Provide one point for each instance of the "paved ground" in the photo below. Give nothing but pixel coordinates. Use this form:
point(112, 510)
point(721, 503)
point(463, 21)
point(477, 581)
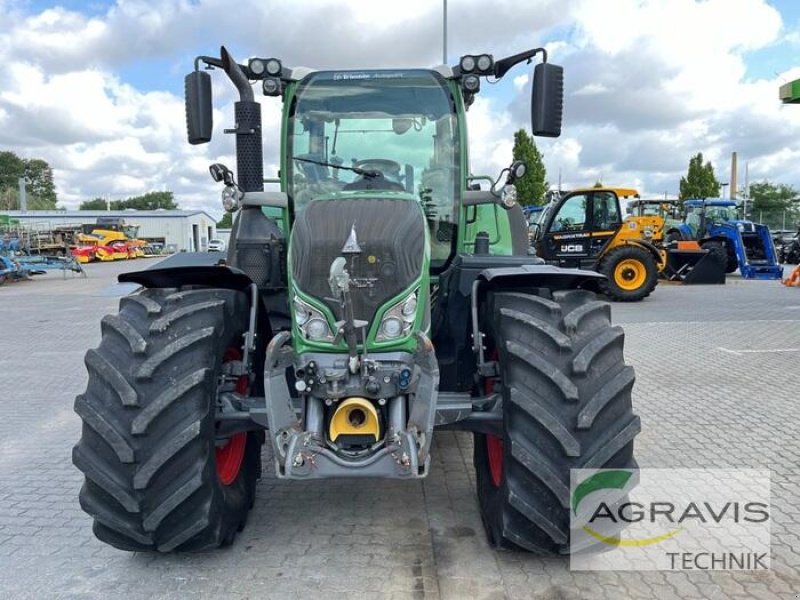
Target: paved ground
point(730, 354)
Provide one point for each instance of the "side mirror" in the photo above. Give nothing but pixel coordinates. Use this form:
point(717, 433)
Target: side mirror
point(199, 115)
point(547, 100)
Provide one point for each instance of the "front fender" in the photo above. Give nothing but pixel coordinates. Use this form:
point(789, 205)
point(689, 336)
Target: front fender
point(547, 276)
point(190, 268)
point(659, 254)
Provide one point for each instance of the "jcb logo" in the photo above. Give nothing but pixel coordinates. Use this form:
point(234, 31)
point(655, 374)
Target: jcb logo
point(571, 248)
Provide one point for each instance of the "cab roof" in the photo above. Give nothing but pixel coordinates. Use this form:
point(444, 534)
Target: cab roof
point(620, 192)
point(709, 202)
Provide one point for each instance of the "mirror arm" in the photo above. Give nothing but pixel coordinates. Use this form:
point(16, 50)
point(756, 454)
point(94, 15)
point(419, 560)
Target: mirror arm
point(502, 66)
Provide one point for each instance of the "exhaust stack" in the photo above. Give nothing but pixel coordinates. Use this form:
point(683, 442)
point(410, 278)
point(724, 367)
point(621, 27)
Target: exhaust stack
point(249, 151)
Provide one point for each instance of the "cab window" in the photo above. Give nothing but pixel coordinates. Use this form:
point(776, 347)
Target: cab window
point(572, 214)
point(605, 211)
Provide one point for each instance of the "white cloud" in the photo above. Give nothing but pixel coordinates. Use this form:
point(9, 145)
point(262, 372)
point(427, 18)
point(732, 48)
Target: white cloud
point(649, 83)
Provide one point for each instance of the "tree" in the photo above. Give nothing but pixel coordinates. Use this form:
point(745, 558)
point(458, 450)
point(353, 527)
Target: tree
point(700, 181)
point(94, 204)
point(40, 188)
point(40, 180)
point(148, 201)
point(773, 204)
point(531, 188)
point(226, 222)
point(12, 167)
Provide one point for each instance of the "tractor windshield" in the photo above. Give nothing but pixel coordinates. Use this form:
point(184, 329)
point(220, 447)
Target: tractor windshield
point(382, 132)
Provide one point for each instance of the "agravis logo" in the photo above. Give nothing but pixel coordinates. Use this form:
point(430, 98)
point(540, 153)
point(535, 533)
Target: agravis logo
point(611, 480)
point(671, 518)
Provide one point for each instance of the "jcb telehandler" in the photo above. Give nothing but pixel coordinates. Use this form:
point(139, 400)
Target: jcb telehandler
point(386, 295)
point(585, 229)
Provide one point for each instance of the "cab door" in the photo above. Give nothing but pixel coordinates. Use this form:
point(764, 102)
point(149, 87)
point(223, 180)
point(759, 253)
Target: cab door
point(605, 221)
point(567, 240)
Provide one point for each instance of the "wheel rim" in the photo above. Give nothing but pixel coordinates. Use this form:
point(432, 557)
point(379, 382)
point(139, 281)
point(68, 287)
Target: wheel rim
point(230, 456)
point(630, 274)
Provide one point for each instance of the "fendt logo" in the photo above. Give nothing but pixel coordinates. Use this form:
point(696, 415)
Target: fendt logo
point(689, 522)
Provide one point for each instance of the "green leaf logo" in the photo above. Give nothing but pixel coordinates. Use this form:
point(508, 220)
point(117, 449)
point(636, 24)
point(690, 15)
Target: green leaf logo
point(615, 480)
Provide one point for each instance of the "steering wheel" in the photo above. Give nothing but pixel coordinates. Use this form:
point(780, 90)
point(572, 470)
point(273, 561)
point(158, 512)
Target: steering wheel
point(566, 223)
point(389, 168)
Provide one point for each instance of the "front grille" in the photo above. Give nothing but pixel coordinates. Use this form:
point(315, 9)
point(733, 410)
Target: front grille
point(391, 234)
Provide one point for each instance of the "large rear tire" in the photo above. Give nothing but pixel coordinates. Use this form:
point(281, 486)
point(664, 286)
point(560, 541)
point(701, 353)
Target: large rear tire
point(631, 274)
point(566, 395)
point(156, 476)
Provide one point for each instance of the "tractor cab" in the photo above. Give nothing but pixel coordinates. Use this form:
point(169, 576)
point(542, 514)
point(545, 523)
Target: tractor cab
point(390, 134)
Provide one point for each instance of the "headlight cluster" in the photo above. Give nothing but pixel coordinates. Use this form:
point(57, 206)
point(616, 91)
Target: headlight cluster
point(231, 196)
point(398, 320)
point(508, 196)
point(311, 322)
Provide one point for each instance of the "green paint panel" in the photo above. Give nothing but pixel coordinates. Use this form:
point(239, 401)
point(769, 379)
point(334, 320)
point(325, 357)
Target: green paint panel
point(790, 92)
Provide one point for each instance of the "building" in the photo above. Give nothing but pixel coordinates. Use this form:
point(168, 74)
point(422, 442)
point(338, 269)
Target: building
point(177, 230)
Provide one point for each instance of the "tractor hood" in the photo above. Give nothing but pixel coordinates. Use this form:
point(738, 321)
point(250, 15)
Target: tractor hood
point(383, 243)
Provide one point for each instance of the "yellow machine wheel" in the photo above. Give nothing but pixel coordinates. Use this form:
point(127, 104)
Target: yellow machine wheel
point(631, 273)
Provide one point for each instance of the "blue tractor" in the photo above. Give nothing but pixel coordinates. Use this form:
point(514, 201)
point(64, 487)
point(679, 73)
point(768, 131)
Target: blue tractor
point(744, 245)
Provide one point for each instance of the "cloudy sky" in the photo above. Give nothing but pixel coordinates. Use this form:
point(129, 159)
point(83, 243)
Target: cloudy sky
point(95, 87)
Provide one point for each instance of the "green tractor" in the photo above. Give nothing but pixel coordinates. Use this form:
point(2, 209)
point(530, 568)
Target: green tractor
point(380, 294)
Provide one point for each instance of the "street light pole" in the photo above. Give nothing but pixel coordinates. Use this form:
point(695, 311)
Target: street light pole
point(23, 199)
point(444, 32)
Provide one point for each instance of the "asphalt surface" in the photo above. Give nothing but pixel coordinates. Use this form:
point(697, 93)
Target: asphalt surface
point(718, 374)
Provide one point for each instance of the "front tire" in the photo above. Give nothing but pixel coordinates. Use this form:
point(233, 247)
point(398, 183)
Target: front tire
point(155, 474)
point(717, 251)
point(631, 274)
point(566, 397)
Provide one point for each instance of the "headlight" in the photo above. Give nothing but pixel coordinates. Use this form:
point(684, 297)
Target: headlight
point(467, 63)
point(317, 329)
point(312, 323)
point(398, 320)
point(485, 62)
point(273, 67)
point(271, 86)
point(256, 66)
point(740, 226)
point(230, 198)
point(301, 312)
point(392, 328)
point(509, 195)
point(409, 308)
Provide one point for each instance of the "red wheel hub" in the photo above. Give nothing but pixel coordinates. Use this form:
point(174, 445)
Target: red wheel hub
point(494, 444)
point(229, 457)
point(494, 450)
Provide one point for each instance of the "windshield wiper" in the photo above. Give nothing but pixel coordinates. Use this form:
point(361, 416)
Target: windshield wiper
point(358, 171)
